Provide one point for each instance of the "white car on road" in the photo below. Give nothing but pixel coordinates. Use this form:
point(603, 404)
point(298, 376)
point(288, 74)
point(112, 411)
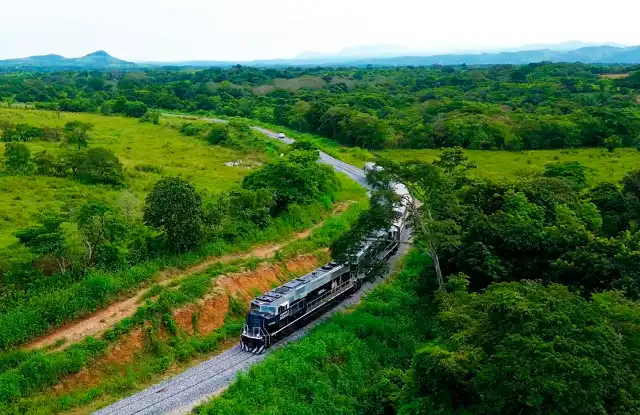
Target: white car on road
point(281, 135)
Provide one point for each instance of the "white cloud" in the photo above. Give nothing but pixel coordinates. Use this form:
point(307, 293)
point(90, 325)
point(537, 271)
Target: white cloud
point(259, 29)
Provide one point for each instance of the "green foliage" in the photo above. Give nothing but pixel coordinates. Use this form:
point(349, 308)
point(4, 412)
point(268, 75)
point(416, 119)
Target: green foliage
point(613, 142)
point(191, 129)
point(21, 132)
point(528, 348)
point(512, 107)
point(135, 109)
point(573, 172)
point(77, 133)
point(17, 159)
point(152, 117)
point(296, 178)
point(218, 134)
point(174, 207)
point(100, 165)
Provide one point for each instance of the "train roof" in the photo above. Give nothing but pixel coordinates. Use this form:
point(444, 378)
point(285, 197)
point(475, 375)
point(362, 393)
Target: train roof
point(281, 293)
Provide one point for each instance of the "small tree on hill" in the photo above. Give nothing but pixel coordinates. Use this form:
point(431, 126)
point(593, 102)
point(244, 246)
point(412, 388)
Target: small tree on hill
point(613, 142)
point(17, 158)
point(174, 207)
point(219, 133)
point(77, 133)
point(47, 239)
point(101, 165)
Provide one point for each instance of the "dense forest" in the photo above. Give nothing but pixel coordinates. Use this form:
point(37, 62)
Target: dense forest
point(534, 106)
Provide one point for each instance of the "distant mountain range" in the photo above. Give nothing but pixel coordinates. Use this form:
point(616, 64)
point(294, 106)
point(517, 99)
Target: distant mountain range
point(385, 55)
point(96, 60)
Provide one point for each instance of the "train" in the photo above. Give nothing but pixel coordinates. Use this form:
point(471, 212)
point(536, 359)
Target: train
point(282, 310)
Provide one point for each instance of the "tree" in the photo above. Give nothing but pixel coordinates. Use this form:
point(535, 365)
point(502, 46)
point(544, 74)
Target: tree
point(151, 116)
point(296, 178)
point(175, 208)
point(103, 230)
point(135, 109)
point(528, 348)
point(219, 133)
point(612, 142)
point(17, 158)
point(45, 163)
point(571, 171)
point(47, 239)
point(433, 185)
point(100, 165)
point(77, 133)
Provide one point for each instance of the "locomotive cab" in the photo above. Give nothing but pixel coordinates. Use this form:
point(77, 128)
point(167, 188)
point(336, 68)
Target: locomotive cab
point(254, 337)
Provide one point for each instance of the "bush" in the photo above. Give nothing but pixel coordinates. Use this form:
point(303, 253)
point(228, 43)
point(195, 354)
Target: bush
point(101, 165)
point(219, 133)
point(17, 159)
point(134, 109)
point(22, 132)
point(152, 117)
point(191, 129)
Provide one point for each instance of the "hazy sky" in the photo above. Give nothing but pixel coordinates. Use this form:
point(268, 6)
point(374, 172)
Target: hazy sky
point(258, 29)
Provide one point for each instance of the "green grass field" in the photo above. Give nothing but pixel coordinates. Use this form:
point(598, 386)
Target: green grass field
point(136, 144)
point(601, 164)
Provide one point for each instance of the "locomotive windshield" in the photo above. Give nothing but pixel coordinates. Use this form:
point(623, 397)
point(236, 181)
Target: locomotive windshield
point(268, 309)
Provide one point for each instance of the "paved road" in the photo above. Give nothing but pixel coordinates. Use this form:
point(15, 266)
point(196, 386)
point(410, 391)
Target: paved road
point(353, 172)
point(180, 394)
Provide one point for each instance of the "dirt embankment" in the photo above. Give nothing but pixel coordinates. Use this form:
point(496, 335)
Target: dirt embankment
point(101, 320)
point(200, 318)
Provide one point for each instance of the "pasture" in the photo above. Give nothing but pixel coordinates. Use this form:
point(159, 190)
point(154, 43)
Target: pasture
point(511, 165)
point(147, 152)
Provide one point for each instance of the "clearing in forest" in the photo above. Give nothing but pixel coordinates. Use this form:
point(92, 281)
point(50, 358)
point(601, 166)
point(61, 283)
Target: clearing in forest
point(511, 165)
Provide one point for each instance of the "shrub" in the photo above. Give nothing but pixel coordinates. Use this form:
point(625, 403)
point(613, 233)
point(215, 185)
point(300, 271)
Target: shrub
point(191, 129)
point(219, 133)
point(152, 117)
point(17, 158)
point(101, 165)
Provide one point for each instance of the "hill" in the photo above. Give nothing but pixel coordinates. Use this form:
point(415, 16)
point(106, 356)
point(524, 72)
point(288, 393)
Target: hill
point(96, 60)
point(588, 54)
point(363, 56)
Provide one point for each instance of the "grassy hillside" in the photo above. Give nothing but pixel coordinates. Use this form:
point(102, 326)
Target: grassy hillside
point(147, 151)
point(511, 165)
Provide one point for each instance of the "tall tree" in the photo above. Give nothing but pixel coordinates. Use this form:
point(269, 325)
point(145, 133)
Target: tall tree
point(174, 207)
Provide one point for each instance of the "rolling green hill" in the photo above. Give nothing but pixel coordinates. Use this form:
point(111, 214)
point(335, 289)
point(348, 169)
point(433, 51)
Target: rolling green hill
point(95, 60)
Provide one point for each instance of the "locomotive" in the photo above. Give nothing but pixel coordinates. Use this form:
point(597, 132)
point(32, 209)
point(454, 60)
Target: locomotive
point(283, 309)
